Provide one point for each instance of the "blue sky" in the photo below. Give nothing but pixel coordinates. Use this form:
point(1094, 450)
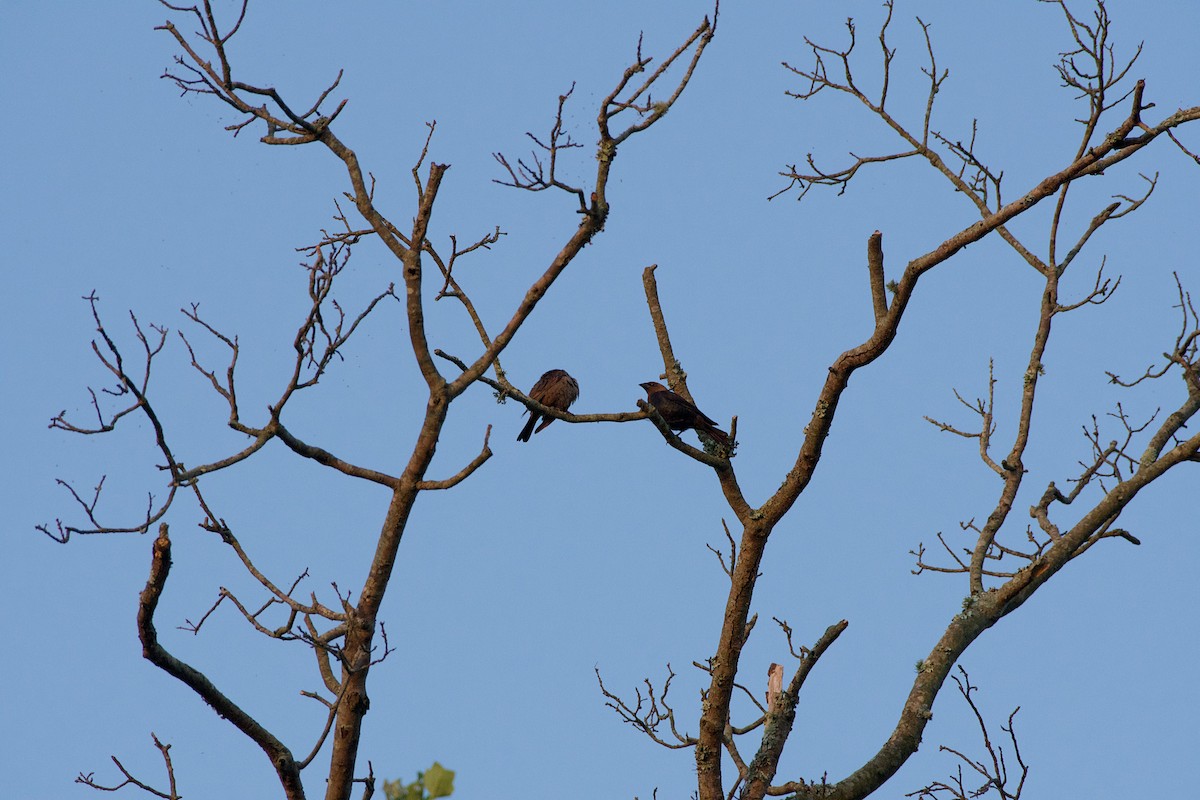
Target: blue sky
point(585, 548)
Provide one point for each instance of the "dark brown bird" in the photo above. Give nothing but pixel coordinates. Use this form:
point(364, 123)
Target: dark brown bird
point(679, 414)
point(555, 389)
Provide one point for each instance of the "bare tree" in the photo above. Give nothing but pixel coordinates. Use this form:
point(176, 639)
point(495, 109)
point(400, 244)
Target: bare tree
point(342, 632)
point(1113, 130)
point(733, 758)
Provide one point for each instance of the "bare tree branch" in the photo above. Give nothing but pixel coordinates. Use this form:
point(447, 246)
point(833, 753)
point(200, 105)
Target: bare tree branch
point(993, 769)
point(171, 793)
point(649, 711)
point(281, 758)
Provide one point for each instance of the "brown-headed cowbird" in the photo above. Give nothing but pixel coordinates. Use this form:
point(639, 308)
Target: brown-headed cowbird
point(679, 414)
point(555, 389)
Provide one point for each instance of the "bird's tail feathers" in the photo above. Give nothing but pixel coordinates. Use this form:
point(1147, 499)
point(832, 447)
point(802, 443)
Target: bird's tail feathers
point(528, 431)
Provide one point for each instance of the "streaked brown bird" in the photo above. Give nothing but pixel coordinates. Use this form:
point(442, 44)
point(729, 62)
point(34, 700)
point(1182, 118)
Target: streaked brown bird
point(555, 389)
point(679, 414)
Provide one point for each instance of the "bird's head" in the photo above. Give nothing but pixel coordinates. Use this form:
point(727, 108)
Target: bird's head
point(652, 386)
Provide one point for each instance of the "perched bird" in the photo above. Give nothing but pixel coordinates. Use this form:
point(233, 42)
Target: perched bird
point(555, 389)
point(679, 414)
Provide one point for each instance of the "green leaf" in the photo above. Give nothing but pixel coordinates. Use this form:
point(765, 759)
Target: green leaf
point(439, 781)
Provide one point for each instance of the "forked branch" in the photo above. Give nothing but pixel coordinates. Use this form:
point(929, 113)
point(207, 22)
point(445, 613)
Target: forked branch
point(280, 756)
point(992, 771)
point(170, 793)
point(649, 711)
